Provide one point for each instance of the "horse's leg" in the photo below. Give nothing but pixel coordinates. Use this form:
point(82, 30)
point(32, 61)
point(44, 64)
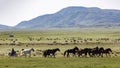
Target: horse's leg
point(51, 55)
point(106, 55)
point(82, 54)
point(30, 55)
point(67, 54)
point(93, 55)
point(54, 55)
point(102, 54)
point(45, 55)
point(79, 54)
point(25, 55)
point(99, 54)
point(109, 54)
point(89, 54)
point(48, 55)
point(9, 53)
point(96, 54)
point(73, 54)
point(85, 54)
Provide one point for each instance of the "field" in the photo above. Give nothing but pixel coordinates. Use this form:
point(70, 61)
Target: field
point(63, 39)
point(37, 62)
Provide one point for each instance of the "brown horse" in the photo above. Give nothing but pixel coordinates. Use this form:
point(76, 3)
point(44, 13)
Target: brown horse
point(84, 52)
point(73, 51)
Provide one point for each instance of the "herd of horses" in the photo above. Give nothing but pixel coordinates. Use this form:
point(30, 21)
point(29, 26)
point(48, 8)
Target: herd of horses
point(86, 52)
point(91, 52)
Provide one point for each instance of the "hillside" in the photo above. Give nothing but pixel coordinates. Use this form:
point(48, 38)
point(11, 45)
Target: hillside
point(4, 27)
point(75, 17)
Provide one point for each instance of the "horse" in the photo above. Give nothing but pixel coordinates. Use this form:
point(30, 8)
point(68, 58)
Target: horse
point(12, 53)
point(107, 51)
point(26, 52)
point(80, 52)
point(73, 51)
point(100, 51)
point(96, 52)
point(85, 51)
point(50, 52)
point(91, 52)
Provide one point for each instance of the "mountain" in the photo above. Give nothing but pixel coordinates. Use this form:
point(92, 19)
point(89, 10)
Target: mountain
point(75, 17)
point(4, 27)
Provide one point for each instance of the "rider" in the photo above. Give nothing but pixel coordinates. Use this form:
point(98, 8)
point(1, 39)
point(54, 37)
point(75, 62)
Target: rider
point(13, 52)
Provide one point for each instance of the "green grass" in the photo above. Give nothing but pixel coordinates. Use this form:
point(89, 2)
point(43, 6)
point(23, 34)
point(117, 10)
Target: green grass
point(82, 33)
point(60, 61)
point(37, 62)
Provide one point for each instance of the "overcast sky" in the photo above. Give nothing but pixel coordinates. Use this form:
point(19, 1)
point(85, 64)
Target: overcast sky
point(13, 12)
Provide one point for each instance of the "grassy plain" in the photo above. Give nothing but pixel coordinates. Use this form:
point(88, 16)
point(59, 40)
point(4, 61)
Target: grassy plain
point(37, 62)
point(60, 61)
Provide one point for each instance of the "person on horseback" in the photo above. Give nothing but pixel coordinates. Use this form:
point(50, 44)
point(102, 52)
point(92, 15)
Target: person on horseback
point(13, 52)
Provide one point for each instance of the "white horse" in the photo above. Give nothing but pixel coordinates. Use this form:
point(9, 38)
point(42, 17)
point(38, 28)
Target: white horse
point(26, 52)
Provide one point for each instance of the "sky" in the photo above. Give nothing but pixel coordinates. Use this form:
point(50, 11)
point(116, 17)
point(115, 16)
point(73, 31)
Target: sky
point(13, 12)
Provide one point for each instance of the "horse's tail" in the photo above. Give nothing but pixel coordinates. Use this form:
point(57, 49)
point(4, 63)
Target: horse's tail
point(65, 53)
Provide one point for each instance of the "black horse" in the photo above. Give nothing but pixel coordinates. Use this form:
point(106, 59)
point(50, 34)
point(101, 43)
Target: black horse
point(100, 51)
point(96, 52)
point(107, 51)
point(91, 52)
point(50, 52)
point(73, 51)
point(12, 53)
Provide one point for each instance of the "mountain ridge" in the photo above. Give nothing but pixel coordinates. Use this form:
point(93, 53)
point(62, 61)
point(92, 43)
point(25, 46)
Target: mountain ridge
point(4, 27)
point(76, 17)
